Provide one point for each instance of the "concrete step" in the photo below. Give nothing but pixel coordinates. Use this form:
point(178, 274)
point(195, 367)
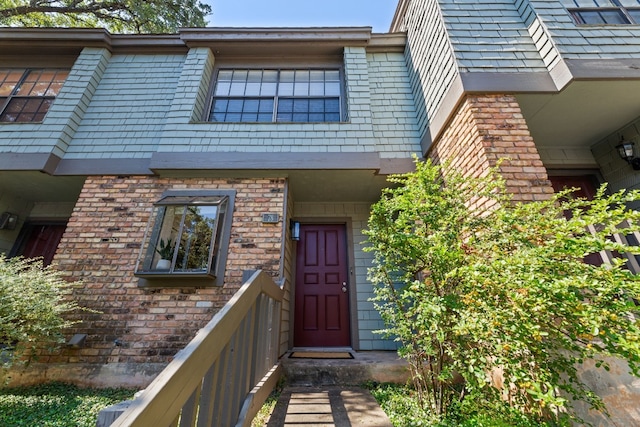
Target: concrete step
point(379, 366)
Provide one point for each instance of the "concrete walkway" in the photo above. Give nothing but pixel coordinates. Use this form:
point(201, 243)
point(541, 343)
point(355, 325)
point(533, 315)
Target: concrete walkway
point(327, 406)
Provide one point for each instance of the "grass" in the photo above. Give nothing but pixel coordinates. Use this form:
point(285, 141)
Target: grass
point(56, 405)
point(262, 417)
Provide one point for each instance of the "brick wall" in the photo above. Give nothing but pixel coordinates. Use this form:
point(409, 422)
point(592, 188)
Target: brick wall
point(100, 247)
point(485, 129)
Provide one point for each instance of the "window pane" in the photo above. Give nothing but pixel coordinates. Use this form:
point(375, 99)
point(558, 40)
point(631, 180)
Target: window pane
point(332, 89)
point(249, 117)
point(32, 105)
point(300, 105)
point(233, 117)
point(268, 89)
point(220, 105)
point(316, 76)
point(16, 105)
point(240, 76)
point(614, 17)
point(333, 117)
point(332, 105)
point(8, 80)
point(316, 89)
point(25, 88)
point(265, 118)
point(301, 87)
point(635, 15)
point(266, 106)
point(195, 242)
point(302, 76)
point(225, 75)
point(251, 105)
point(166, 223)
point(235, 105)
point(223, 88)
point(300, 117)
point(284, 117)
point(254, 81)
point(253, 89)
point(237, 89)
point(270, 76)
point(287, 76)
point(254, 76)
point(285, 105)
point(332, 76)
point(54, 88)
point(316, 105)
point(316, 117)
point(285, 89)
point(218, 117)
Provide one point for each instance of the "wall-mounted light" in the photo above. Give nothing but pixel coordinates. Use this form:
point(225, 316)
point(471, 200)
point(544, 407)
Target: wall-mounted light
point(8, 221)
point(626, 150)
point(294, 227)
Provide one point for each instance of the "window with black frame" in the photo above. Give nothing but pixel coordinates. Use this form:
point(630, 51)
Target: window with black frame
point(605, 12)
point(276, 95)
point(187, 235)
point(27, 94)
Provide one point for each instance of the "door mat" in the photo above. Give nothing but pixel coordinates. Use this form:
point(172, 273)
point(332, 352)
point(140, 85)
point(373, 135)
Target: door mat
point(321, 355)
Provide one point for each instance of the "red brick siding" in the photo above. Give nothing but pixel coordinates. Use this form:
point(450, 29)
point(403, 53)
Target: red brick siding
point(101, 245)
point(487, 128)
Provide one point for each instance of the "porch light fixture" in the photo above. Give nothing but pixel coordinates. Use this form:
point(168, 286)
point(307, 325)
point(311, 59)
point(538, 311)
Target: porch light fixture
point(294, 227)
point(8, 221)
point(626, 152)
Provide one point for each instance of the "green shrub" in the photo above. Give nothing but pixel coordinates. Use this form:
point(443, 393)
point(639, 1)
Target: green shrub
point(474, 285)
point(34, 308)
point(401, 404)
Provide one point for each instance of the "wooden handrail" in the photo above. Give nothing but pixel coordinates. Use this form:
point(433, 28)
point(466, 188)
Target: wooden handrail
point(210, 379)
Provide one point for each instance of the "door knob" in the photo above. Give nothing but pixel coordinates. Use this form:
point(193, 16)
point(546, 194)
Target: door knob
point(344, 287)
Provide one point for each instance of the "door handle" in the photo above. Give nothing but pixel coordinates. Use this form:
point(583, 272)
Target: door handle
point(344, 287)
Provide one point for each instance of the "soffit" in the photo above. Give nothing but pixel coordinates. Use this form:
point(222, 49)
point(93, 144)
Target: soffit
point(37, 186)
point(582, 114)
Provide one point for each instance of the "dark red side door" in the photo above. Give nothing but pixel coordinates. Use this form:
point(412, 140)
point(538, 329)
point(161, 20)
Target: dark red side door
point(321, 293)
point(40, 240)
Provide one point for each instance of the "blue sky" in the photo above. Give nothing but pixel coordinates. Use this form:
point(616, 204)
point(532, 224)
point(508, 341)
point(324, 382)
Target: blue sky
point(303, 13)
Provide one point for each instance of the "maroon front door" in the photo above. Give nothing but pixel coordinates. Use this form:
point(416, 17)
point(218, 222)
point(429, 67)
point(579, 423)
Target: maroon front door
point(321, 294)
point(40, 240)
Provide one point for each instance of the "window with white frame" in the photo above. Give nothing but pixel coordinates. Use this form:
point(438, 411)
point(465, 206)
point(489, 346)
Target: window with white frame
point(187, 235)
point(276, 95)
point(27, 94)
point(605, 12)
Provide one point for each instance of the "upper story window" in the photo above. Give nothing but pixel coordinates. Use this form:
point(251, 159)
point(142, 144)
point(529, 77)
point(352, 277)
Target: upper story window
point(291, 95)
point(188, 235)
point(602, 12)
point(27, 94)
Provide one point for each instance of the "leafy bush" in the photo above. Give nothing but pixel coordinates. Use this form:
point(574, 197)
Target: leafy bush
point(56, 405)
point(400, 403)
point(499, 298)
point(33, 306)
